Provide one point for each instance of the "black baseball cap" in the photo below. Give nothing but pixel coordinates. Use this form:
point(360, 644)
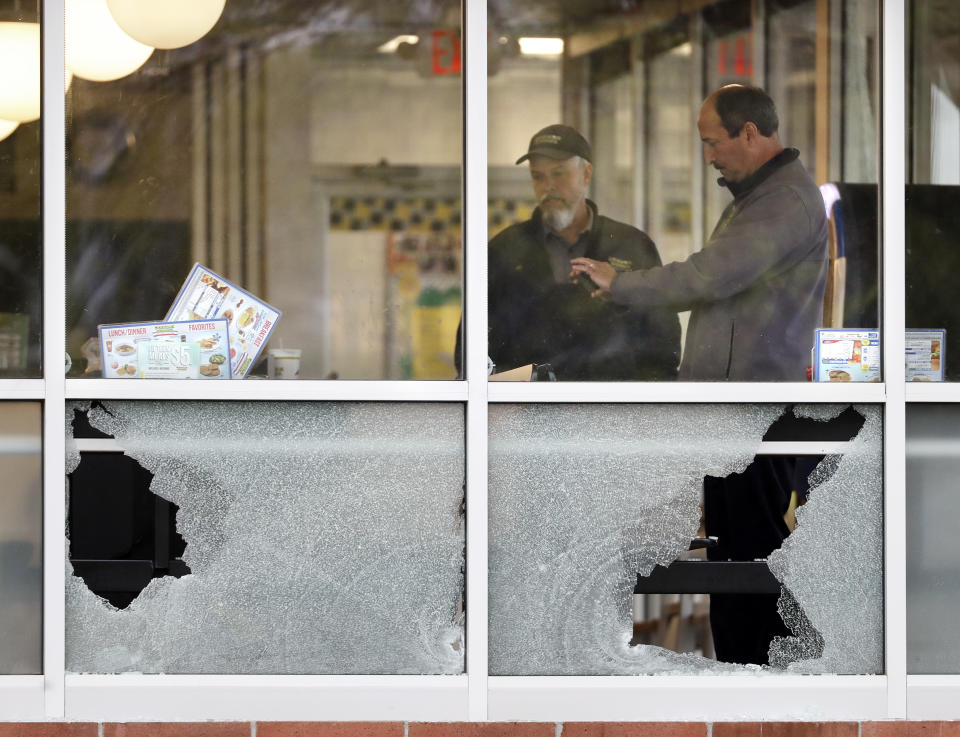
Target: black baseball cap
point(558, 142)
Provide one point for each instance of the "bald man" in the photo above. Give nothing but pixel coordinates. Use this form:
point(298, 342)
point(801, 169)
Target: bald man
point(755, 291)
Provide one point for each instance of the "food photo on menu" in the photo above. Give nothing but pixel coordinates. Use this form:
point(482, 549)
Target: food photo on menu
point(188, 349)
point(206, 295)
point(213, 330)
point(846, 355)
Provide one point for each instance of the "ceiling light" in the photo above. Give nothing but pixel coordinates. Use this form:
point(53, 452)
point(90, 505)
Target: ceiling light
point(7, 127)
point(541, 46)
point(96, 47)
point(166, 24)
point(391, 46)
point(20, 71)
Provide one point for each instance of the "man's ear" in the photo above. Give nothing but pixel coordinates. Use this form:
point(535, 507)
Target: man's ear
point(587, 173)
point(750, 131)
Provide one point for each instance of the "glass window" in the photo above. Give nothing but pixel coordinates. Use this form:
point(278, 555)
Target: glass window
point(855, 74)
point(267, 538)
point(20, 194)
point(307, 155)
point(621, 161)
point(313, 163)
point(728, 59)
point(21, 535)
point(792, 71)
point(933, 467)
point(933, 191)
point(630, 514)
point(669, 83)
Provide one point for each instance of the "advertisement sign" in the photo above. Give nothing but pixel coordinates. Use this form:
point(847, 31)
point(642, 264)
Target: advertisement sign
point(925, 355)
point(190, 349)
point(846, 355)
point(206, 295)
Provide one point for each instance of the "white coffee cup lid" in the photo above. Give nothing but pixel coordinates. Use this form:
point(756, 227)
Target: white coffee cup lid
point(285, 352)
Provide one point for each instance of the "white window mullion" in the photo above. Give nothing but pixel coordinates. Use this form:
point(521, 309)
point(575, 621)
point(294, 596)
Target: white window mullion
point(21, 389)
point(21, 698)
point(475, 331)
point(669, 698)
point(54, 341)
point(275, 698)
point(933, 697)
point(277, 391)
point(894, 321)
point(681, 391)
point(920, 391)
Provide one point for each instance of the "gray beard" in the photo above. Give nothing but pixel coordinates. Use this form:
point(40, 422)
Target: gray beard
point(558, 219)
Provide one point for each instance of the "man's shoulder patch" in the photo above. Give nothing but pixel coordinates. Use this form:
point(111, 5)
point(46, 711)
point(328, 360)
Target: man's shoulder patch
point(620, 264)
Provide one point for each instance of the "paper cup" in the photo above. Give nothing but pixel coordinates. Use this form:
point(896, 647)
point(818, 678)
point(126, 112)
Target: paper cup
point(283, 363)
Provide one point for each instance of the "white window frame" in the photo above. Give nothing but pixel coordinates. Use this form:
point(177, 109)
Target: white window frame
point(476, 695)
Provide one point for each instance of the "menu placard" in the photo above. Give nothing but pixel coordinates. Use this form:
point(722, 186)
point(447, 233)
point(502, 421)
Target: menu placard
point(207, 295)
point(186, 349)
point(846, 355)
point(925, 351)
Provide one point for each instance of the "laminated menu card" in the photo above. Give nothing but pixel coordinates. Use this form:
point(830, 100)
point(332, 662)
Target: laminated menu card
point(186, 349)
point(925, 350)
point(846, 355)
point(207, 295)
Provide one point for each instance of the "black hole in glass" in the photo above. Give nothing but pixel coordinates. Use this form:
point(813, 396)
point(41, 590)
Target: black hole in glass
point(121, 534)
point(744, 520)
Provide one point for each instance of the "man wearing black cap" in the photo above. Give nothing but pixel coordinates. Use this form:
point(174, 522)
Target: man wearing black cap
point(537, 314)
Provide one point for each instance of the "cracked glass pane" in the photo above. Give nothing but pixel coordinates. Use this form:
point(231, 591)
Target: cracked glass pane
point(21, 535)
point(320, 538)
point(585, 498)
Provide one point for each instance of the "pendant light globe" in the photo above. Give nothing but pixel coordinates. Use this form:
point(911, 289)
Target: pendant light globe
point(166, 24)
point(96, 47)
point(19, 72)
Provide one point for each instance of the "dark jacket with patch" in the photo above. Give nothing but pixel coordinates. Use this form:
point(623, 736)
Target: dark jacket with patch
point(532, 319)
point(755, 291)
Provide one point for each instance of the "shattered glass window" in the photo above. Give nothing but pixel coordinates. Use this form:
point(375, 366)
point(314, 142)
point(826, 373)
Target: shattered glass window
point(21, 536)
point(590, 503)
point(933, 569)
point(316, 538)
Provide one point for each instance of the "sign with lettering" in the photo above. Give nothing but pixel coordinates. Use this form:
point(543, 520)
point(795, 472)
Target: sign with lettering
point(846, 355)
point(206, 295)
point(186, 349)
point(925, 353)
point(445, 52)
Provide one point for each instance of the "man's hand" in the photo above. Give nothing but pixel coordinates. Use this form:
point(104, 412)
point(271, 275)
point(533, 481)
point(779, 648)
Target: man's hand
point(600, 272)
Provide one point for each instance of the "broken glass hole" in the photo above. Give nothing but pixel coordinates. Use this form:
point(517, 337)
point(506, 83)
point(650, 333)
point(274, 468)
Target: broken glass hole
point(746, 516)
point(121, 534)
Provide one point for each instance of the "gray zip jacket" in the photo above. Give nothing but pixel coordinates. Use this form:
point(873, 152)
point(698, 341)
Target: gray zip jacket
point(755, 291)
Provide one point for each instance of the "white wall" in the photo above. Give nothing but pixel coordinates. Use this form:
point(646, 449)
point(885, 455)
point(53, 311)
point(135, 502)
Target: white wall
point(296, 226)
point(522, 97)
point(363, 113)
point(944, 137)
point(357, 327)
